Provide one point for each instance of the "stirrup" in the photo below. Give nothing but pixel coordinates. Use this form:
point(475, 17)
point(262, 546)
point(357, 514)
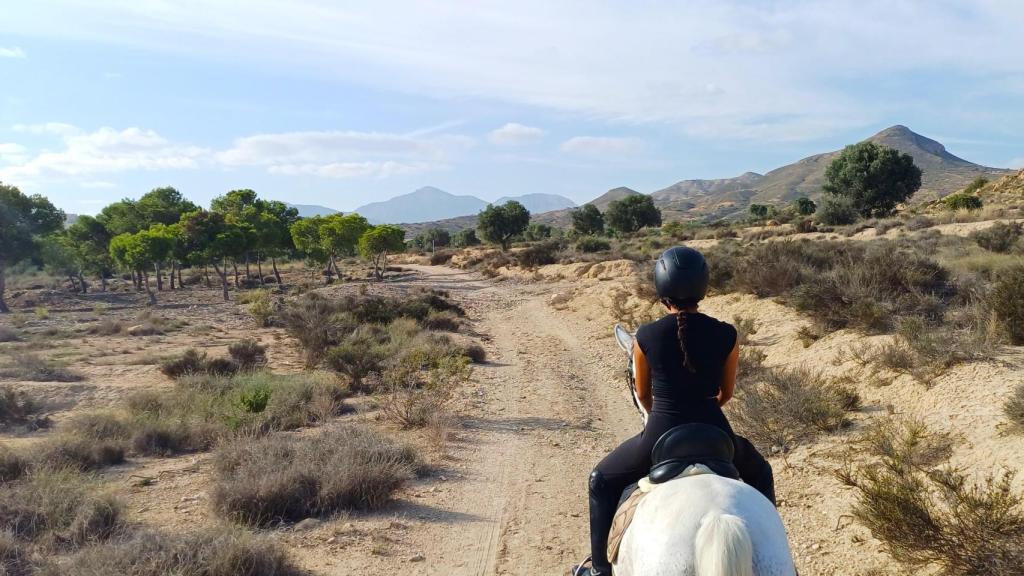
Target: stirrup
point(582, 570)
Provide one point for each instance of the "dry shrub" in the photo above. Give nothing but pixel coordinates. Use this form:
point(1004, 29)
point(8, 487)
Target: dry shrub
point(1014, 409)
point(15, 557)
point(9, 334)
point(1001, 237)
point(107, 327)
point(745, 328)
point(248, 354)
point(780, 408)
point(928, 516)
point(283, 479)
point(193, 362)
point(475, 353)
point(317, 323)
point(34, 368)
point(58, 509)
point(445, 321)
point(919, 222)
point(18, 408)
point(540, 254)
point(420, 393)
point(261, 308)
point(1006, 300)
point(77, 453)
point(357, 356)
point(212, 552)
point(592, 244)
point(441, 257)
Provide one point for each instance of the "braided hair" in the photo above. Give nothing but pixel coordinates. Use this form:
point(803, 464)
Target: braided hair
point(681, 335)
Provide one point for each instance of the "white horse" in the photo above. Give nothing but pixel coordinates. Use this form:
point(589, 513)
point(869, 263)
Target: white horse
point(701, 524)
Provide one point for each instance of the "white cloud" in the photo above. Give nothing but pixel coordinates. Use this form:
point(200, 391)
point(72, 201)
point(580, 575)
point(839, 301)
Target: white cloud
point(353, 169)
point(46, 128)
point(513, 134)
point(94, 184)
point(106, 150)
point(350, 154)
point(13, 52)
point(776, 68)
point(603, 146)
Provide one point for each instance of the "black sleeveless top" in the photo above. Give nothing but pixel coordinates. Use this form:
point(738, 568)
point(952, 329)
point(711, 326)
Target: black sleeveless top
point(677, 391)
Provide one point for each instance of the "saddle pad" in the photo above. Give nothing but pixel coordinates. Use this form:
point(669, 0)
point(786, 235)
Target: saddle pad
point(623, 516)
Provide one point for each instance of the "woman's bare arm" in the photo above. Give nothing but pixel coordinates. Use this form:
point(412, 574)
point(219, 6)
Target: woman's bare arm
point(642, 373)
point(729, 375)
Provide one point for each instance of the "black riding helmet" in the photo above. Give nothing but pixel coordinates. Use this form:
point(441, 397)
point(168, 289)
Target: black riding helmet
point(681, 276)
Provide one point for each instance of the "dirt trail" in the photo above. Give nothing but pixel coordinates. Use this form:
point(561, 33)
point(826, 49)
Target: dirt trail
point(548, 404)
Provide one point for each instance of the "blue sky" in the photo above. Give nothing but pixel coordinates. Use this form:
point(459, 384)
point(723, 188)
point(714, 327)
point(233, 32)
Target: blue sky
point(343, 103)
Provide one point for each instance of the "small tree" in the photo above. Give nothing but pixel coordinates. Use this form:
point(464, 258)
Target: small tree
point(212, 239)
point(60, 259)
point(22, 220)
point(273, 232)
point(587, 220)
point(305, 235)
point(875, 178)
point(837, 211)
point(465, 238)
point(339, 236)
point(500, 224)
point(804, 206)
point(434, 238)
point(760, 211)
point(630, 214)
point(91, 240)
point(163, 206)
point(377, 242)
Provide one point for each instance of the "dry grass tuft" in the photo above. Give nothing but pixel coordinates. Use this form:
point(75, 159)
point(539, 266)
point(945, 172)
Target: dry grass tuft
point(57, 509)
point(283, 479)
point(18, 408)
point(9, 334)
point(1014, 409)
point(25, 366)
point(213, 552)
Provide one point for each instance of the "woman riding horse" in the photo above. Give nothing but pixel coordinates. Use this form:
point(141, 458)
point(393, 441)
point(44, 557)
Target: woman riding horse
point(685, 367)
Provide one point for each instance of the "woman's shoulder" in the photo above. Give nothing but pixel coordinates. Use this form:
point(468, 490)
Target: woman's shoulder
point(720, 326)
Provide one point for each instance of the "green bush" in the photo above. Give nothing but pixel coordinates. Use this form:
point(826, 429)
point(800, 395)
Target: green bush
point(590, 244)
point(539, 254)
point(357, 356)
point(837, 211)
point(962, 201)
point(1001, 237)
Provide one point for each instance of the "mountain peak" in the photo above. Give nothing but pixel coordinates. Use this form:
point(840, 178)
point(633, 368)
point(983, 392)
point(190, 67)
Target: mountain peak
point(901, 138)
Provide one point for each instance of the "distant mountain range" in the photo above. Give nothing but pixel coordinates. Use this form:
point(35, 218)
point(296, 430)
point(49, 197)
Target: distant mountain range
point(942, 174)
point(429, 204)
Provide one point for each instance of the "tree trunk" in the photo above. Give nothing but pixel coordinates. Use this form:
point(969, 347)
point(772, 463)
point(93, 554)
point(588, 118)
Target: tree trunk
point(235, 265)
point(135, 281)
point(3, 285)
point(247, 274)
point(277, 274)
point(180, 283)
point(332, 265)
point(159, 277)
point(259, 268)
point(83, 283)
point(206, 275)
point(74, 283)
point(223, 278)
point(103, 280)
point(149, 291)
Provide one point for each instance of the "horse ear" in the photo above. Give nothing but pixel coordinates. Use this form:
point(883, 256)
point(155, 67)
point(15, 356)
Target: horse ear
point(624, 338)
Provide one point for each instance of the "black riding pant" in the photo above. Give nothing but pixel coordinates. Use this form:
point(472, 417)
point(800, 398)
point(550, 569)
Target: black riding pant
point(631, 461)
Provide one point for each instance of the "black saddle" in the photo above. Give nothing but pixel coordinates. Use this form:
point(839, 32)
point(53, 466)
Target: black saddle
point(690, 444)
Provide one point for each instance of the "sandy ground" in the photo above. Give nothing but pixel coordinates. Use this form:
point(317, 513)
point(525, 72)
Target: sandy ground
point(507, 493)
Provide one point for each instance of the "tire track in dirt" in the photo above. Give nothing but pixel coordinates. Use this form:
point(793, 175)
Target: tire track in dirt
point(552, 405)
